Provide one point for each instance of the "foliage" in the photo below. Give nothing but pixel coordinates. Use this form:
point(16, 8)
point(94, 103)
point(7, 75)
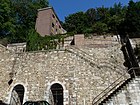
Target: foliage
point(18, 18)
point(75, 22)
point(37, 42)
point(116, 18)
point(91, 16)
point(116, 9)
point(119, 20)
point(100, 28)
point(17, 22)
point(99, 20)
point(88, 31)
point(102, 14)
point(6, 19)
point(25, 13)
point(132, 19)
point(33, 40)
point(113, 23)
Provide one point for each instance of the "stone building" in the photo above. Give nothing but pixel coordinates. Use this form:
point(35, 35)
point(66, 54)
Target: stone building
point(47, 22)
point(91, 73)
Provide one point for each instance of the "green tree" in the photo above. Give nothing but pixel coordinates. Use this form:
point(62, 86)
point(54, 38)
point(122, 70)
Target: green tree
point(113, 23)
point(116, 17)
point(100, 28)
point(6, 18)
point(25, 14)
point(102, 14)
point(76, 22)
point(33, 40)
point(116, 9)
point(132, 19)
point(17, 18)
point(91, 16)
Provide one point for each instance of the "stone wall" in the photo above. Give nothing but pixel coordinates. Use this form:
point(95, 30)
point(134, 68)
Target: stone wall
point(84, 72)
point(6, 66)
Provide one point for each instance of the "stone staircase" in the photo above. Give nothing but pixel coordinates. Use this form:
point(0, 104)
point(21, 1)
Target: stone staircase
point(110, 91)
point(117, 90)
point(132, 80)
point(122, 80)
point(126, 94)
point(77, 51)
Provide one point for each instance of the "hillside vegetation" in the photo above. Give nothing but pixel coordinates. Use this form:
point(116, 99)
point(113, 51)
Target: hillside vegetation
point(17, 22)
point(104, 20)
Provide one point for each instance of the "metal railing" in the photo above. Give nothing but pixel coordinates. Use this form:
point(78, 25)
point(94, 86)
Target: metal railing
point(116, 85)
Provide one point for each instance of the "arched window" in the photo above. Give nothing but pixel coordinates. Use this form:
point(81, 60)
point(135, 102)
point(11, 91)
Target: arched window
point(17, 95)
point(57, 91)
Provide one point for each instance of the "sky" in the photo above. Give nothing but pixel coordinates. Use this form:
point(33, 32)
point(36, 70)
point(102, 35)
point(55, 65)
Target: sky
point(65, 7)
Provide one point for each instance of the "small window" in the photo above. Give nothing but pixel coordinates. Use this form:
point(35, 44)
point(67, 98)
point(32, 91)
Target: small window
point(52, 25)
point(59, 26)
point(10, 81)
point(53, 16)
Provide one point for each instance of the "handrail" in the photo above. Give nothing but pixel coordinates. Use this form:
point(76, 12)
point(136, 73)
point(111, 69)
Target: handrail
point(100, 95)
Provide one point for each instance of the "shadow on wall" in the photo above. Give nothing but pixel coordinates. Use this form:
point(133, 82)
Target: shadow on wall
point(2, 103)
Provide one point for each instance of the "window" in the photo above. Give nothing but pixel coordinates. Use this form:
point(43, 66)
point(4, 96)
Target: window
point(53, 16)
point(52, 24)
point(59, 26)
point(57, 91)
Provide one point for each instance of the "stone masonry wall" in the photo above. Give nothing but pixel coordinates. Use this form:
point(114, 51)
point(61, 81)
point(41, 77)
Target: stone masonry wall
point(83, 72)
point(6, 66)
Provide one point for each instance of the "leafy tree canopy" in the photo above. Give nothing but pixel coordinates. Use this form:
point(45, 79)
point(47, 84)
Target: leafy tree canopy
point(118, 19)
point(100, 28)
point(6, 18)
point(132, 19)
point(75, 22)
point(17, 21)
point(18, 17)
